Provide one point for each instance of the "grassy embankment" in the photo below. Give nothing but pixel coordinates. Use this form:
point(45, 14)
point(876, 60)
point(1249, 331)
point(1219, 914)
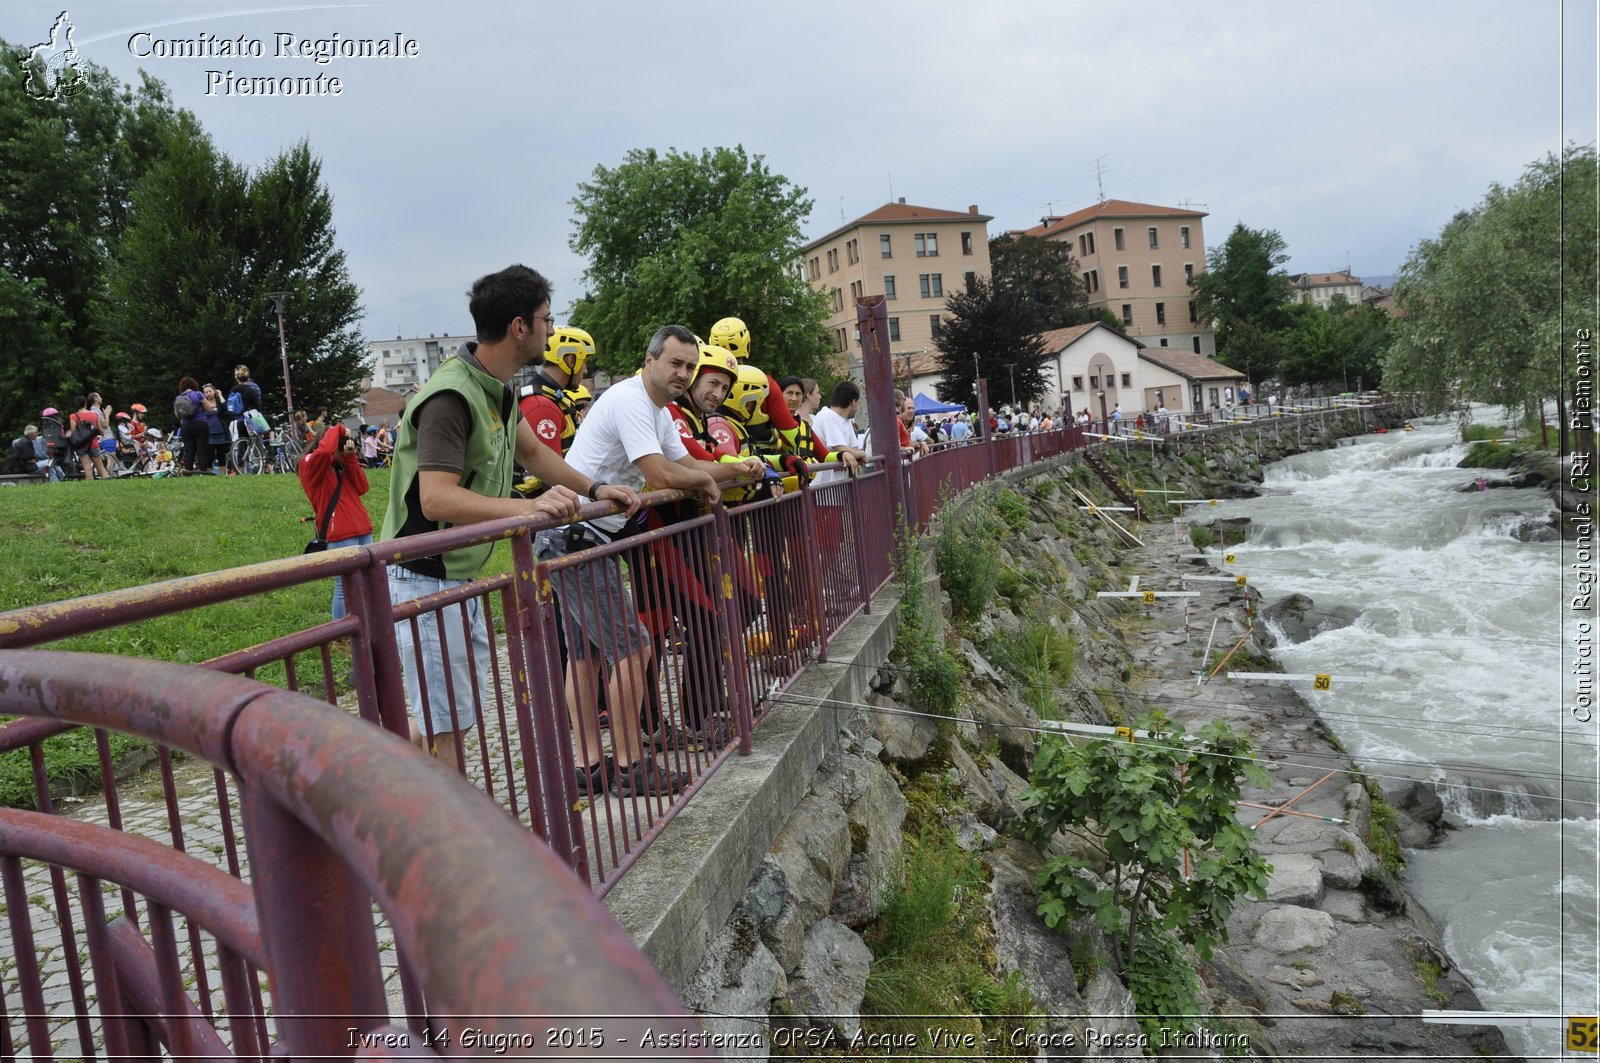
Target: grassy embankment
point(80, 538)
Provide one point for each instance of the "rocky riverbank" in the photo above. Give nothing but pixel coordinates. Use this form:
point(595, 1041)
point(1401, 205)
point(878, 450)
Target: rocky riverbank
point(1336, 962)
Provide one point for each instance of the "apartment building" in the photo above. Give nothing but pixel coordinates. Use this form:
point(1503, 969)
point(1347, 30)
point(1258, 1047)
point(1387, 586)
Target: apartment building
point(401, 364)
point(1136, 260)
point(1321, 288)
point(915, 257)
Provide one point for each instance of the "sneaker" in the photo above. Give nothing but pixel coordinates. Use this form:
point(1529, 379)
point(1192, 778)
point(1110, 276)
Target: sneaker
point(594, 778)
point(646, 779)
point(671, 736)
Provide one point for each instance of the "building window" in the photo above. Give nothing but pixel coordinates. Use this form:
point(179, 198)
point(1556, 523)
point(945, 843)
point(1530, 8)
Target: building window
point(966, 243)
point(857, 289)
point(1188, 272)
point(1197, 345)
point(927, 245)
point(816, 267)
point(885, 246)
point(1086, 245)
point(1094, 382)
point(1122, 276)
point(1127, 313)
point(894, 330)
point(1152, 232)
point(1194, 311)
point(1155, 276)
point(888, 285)
point(1091, 282)
point(933, 325)
point(971, 279)
point(1183, 235)
point(839, 341)
point(838, 303)
point(1116, 235)
point(853, 251)
point(1163, 341)
point(1161, 313)
point(932, 285)
point(833, 260)
point(1127, 380)
point(1077, 383)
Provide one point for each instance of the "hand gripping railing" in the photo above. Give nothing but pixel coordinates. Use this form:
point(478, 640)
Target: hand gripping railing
point(493, 930)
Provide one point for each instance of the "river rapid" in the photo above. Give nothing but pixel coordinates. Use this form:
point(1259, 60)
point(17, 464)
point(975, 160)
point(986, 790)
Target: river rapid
point(1452, 670)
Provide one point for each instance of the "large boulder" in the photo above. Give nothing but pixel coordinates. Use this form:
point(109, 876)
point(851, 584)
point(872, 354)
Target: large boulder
point(906, 738)
point(733, 990)
point(875, 818)
point(812, 850)
point(831, 979)
point(1290, 928)
point(1296, 879)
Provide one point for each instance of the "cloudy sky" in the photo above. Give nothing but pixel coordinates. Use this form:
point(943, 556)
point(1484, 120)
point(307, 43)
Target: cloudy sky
point(1354, 129)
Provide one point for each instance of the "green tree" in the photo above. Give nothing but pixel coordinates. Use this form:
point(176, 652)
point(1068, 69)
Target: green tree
point(1144, 805)
point(981, 334)
point(1245, 291)
point(1040, 280)
point(187, 287)
point(67, 170)
point(1341, 347)
point(1485, 305)
point(690, 239)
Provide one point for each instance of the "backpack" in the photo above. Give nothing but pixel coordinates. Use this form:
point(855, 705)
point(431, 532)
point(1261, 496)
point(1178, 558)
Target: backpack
point(235, 403)
point(183, 406)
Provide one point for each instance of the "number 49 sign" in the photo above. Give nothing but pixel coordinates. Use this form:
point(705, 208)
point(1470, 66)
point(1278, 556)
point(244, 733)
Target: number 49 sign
point(1583, 1033)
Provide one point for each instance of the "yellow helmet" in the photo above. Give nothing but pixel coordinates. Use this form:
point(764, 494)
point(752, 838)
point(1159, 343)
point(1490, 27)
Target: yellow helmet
point(731, 333)
point(719, 359)
point(579, 394)
point(749, 391)
point(568, 348)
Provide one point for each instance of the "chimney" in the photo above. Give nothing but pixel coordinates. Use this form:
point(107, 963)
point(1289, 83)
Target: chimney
point(972, 208)
point(902, 200)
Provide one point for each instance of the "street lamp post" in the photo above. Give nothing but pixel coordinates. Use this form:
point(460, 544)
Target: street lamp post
point(283, 352)
point(1013, 369)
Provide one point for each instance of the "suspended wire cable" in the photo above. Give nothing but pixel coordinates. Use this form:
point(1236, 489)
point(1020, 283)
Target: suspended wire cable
point(1156, 744)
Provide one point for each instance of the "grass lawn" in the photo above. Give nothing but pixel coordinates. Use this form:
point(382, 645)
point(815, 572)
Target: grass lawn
point(77, 538)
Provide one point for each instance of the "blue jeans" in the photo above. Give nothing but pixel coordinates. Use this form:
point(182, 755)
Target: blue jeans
point(338, 582)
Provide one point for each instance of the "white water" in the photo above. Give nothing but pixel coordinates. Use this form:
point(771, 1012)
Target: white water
point(1459, 630)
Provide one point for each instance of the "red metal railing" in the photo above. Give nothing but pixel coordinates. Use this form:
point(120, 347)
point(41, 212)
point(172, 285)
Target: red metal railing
point(342, 823)
point(734, 604)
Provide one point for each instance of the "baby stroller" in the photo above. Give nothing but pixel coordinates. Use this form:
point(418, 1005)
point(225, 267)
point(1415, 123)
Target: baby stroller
point(64, 463)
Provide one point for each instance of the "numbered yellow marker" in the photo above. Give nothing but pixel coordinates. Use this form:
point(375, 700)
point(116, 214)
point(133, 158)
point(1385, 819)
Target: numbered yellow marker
point(1239, 579)
point(1213, 502)
point(1139, 491)
point(1127, 733)
point(1583, 1033)
point(1321, 681)
point(1229, 558)
point(1149, 597)
point(1093, 510)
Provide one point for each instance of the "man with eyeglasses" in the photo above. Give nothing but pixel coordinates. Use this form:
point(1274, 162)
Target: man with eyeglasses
point(457, 443)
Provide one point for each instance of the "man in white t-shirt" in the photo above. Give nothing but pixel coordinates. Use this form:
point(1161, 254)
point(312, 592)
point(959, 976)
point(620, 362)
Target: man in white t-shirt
point(834, 424)
point(629, 438)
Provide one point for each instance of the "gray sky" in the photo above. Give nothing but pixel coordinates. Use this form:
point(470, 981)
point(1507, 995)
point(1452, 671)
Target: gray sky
point(1355, 129)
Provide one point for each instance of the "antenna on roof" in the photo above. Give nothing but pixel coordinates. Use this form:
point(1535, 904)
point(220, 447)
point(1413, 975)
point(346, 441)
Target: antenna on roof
point(841, 208)
point(1099, 172)
point(891, 188)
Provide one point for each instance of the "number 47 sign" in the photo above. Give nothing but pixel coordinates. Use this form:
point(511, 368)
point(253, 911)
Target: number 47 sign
point(1583, 1033)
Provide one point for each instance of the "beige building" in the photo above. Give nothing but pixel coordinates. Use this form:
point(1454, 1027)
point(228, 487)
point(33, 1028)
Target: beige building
point(915, 257)
point(1185, 382)
point(1136, 260)
point(1320, 288)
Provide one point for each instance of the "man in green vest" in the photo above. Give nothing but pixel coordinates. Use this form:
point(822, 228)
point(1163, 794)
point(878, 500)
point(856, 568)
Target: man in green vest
point(454, 454)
